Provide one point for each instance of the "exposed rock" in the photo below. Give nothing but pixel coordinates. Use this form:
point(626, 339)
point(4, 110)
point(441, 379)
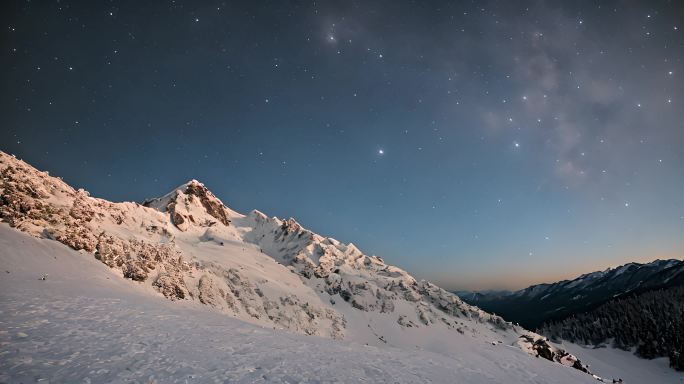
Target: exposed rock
point(209, 293)
point(177, 219)
point(139, 241)
point(405, 322)
point(540, 347)
point(81, 209)
point(136, 259)
point(171, 286)
point(211, 203)
point(78, 237)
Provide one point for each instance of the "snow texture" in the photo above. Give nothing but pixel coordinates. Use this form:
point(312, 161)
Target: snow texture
point(99, 312)
point(613, 363)
point(84, 323)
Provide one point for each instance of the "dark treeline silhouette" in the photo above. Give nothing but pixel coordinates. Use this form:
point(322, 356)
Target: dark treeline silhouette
point(652, 321)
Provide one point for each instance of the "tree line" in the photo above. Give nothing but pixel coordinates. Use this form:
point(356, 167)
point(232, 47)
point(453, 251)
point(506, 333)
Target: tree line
point(652, 322)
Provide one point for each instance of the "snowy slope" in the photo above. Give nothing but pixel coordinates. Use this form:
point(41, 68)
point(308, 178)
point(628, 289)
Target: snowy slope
point(86, 324)
point(191, 248)
point(614, 362)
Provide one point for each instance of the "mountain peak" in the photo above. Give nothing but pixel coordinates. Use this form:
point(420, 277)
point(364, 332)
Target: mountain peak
point(192, 203)
point(264, 270)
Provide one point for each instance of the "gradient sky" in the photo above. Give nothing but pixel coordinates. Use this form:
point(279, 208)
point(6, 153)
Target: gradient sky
point(476, 144)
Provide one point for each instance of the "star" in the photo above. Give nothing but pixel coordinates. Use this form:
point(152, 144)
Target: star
point(569, 88)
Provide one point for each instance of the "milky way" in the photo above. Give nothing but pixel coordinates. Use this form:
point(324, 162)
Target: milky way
point(477, 144)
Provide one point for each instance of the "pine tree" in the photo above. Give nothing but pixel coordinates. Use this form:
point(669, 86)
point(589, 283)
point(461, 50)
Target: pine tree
point(653, 322)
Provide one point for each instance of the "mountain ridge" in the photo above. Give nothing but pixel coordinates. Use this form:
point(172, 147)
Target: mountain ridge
point(188, 245)
point(539, 303)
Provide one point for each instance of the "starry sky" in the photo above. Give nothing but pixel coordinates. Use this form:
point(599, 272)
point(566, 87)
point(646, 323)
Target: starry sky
point(480, 145)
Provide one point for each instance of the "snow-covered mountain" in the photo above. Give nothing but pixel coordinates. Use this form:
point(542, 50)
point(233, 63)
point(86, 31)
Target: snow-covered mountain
point(191, 248)
point(534, 305)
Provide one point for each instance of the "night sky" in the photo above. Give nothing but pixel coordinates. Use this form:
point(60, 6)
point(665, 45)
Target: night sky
point(476, 144)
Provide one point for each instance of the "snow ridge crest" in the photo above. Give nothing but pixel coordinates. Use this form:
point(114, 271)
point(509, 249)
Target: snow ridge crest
point(188, 245)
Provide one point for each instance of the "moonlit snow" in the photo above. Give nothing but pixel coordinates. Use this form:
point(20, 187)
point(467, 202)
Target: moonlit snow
point(86, 324)
point(184, 289)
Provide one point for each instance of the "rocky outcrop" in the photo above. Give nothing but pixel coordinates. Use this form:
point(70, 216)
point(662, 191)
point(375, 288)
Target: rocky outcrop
point(23, 201)
point(211, 203)
point(177, 218)
point(229, 289)
point(161, 243)
point(137, 259)
point(189, 198)
point(35, 202)
point(171, 285)
point(540, 347)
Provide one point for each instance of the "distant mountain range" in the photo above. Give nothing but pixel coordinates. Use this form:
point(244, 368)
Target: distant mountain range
point(535, 305)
